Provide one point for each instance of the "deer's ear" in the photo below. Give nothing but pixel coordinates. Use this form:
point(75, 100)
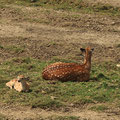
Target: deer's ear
point(82, 49)
point(92, 49)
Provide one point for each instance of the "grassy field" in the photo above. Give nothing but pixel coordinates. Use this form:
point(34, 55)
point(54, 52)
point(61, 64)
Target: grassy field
point(104, 86)
point(69, 5)
point(101, 93)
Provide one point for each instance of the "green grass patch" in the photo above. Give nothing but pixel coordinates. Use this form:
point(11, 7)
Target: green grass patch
point(1, 47)
point(104, 86)
point(15, 49)
point(63, 118)
point(101, 108)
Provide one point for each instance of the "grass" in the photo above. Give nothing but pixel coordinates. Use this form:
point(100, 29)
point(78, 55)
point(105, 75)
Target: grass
point(55, 117)
point(103, 88)
point(69, 5)
point(16, 49)
point(1, 47)
point(63, 118)
point(99, 108)
point(13, 48)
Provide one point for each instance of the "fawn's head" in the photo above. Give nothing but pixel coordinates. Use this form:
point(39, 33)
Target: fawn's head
point(22, 78)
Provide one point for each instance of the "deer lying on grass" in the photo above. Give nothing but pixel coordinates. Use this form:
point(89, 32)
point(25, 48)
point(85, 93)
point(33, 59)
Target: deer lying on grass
point(70, 71)
point(19, 84)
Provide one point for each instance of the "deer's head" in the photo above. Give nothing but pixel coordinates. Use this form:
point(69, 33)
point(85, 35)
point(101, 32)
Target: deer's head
point(22, 78)
point(87, 50)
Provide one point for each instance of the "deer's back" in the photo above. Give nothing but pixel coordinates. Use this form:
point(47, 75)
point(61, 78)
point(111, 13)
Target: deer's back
point(65, 72)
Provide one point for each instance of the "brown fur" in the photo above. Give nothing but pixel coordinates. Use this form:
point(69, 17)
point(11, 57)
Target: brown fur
point(69, 71)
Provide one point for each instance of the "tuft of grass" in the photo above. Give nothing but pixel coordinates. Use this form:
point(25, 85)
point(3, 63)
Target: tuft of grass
point(1, 47)
point(106, 9)
point(118, 45)
point(46, 103)
point(82, 101)
point(63, 118)
point(101, 108)
point(15, 49)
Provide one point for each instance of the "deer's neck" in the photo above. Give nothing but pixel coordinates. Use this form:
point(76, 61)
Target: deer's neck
point(23, 83)
point(87, 61)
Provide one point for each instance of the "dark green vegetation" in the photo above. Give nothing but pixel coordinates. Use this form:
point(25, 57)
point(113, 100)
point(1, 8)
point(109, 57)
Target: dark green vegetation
point(72, 5)
point(104, 86)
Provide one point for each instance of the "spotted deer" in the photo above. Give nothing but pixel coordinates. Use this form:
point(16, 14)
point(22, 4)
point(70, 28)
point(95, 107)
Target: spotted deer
point(70, 71)
point(19, 84)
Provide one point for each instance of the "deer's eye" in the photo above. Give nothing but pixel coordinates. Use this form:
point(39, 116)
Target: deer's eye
point(82, 49)
point(92, 49)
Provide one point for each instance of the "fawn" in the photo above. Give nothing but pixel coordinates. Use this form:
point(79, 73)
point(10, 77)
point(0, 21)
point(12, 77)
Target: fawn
point(70, 71)
point(11, 83)
point(19, 84)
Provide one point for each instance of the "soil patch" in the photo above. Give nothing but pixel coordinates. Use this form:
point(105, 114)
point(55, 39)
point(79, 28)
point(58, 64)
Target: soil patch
point(22, 113)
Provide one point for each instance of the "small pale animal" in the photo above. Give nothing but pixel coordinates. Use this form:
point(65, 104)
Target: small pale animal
point(11, 83)
point(19, 84)
point(70, 71)
point(118, 65)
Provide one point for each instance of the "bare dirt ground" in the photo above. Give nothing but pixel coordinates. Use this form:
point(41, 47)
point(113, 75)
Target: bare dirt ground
point(23, 113)
point(46, 34)
point(115, 3)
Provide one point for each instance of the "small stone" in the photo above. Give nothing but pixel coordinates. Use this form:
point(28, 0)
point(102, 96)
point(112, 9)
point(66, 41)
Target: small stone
point(118, 65)
point(53, 97)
